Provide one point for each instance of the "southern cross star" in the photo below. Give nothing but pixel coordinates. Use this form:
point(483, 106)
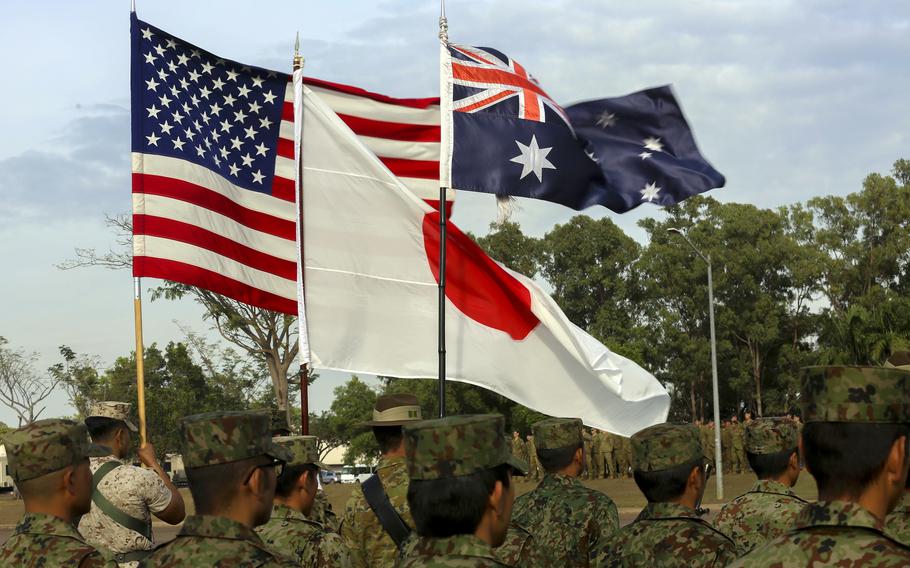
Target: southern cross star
point(606, 119)
point(533, 158)
point(653, 144)
point(650, 192)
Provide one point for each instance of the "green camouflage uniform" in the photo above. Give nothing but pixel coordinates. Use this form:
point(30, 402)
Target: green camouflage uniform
point(212, 439)
point(738, 456)
point(588, 444)
point(534, 463)
point(842, 533)
point(323, 514)
point(597, 455)
point(41, 540)
point(666, 534)
point(292, 534)
point(519, 448)
point(609, 465)
point(707, 442)
point(770, 508)
point(726, 446)
point(365, 538)
point(898, 522)
point(566, 518)
point(520, 549)
point(453, 447)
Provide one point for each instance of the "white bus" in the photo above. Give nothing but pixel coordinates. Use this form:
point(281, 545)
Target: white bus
point(355, 473)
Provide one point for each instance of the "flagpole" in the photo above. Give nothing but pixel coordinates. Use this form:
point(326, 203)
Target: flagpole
point(304, 366)
point(443, 179)
point(140, 358)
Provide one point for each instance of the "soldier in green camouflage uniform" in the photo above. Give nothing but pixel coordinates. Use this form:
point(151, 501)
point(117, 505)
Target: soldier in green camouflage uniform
point(668, 532)
point(566, 518)
point(231, 467)
point(609, 465)
point(588, 446)
point(770, 508)
point(737, 441)
point(289, 531)
point(369, 544)
point(707, 441)
point(856, 423)
point(48, 460)
point(461, 491)
point(625, 456)
point(597, 454)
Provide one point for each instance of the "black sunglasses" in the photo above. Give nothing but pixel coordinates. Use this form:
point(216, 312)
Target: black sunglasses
point(276, 463)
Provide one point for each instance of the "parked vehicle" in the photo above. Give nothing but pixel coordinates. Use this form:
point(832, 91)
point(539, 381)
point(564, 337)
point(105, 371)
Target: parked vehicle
point(328, 476)
point(6, 481)
point(355, 473)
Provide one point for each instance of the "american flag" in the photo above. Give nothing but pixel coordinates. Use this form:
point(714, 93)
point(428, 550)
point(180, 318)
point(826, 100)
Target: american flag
point(213, 165)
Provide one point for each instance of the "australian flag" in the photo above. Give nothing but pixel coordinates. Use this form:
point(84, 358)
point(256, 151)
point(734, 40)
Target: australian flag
point(511, 139)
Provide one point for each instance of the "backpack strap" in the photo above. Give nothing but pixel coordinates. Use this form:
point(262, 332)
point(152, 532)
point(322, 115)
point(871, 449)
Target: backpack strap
point(388, 517)
point(111, 510)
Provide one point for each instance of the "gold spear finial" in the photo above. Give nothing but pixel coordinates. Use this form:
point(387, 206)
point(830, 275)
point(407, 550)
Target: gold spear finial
point(298, 60)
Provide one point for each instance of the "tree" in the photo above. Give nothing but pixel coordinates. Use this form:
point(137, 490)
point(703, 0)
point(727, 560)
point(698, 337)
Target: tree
point(270, 337)
point(507, 244)
point(21, 388)
point(328, 438)
point(353, 405)
point(78, 374)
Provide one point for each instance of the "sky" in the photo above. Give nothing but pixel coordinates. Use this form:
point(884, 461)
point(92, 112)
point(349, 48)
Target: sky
point(790, 99)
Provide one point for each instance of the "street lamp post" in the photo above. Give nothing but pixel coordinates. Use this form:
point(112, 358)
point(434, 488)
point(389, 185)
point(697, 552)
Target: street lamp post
point(718, 459)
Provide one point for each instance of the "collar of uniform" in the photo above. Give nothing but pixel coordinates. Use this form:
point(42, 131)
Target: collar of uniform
point(41, 523)
point(770, 486)
point(390, 461)
point(105, 459)
point(654, 511)
point(903, 506)
point(837, 514)
point(217, 527)
point(280, 511)
point(458, 545)
point(560, 479)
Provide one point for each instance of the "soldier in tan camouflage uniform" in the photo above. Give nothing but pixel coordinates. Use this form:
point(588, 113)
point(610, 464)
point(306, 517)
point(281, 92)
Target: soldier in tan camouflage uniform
point(669, 469)
point(535, 472)
point(125, 497)
point(48, 460)
point(567, 519)
point(461, 491)
point(369, 543)
point(289, 531)
point(770, 508)
point(854, 443)
point(232, 466)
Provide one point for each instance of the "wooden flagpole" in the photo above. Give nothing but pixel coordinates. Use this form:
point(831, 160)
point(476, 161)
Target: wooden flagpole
point(304, 368)
point(140, 358)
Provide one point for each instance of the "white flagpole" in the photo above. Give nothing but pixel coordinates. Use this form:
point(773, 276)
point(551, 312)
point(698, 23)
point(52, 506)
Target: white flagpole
point(302, 332)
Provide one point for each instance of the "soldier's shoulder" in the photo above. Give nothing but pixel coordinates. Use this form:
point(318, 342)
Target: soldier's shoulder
point(54, 550)
point(824, 547)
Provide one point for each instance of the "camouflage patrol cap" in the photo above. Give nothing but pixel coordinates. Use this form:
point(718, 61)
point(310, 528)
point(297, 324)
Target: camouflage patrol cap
point(115, 410)
point(278, 421)
point(47, 446)
point(855, 394)
point(770, 435)
point(222, 437)
point(457, 446)
point(554, 433)
point(663, 446)
point(303, 450)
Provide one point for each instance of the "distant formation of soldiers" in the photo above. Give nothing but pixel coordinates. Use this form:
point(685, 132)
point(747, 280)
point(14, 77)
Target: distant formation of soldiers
point(444, 491)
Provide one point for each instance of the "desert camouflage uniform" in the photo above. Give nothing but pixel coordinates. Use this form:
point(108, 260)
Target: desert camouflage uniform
point(137, 492)
point(666, 535)
point(213, 439)
point(897, 525)
point(364, 536)
point(566, 518)
point(41, 540)
point(767, 511)
point(44, 540)
point(832, 533)
point(842, 533)
point(453, 447)
point(292, 534)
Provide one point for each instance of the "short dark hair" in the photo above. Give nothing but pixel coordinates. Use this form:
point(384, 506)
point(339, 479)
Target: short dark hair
point(101, 428)
point(845, 457)
point(666, 484)
point(556, 459)
point(452, 506)
point(388, 437)
point(767, 466)
point(214, 486)
point(289, 476)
